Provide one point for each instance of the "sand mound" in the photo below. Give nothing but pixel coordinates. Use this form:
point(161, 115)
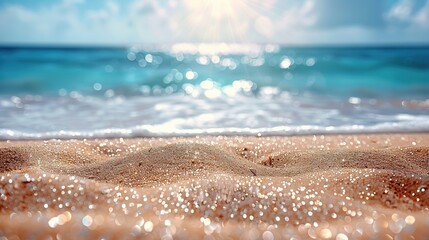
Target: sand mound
point(178, 161)
point(217, 187)
point(412, 160)
point(168, 164)
point(393, 176)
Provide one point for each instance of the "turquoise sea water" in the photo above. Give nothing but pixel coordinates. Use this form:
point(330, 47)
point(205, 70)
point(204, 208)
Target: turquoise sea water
point(187, 89)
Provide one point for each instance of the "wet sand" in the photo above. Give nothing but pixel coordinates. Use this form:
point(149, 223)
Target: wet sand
point(319, 187)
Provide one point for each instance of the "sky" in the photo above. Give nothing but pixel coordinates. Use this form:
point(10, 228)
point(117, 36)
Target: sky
point(301, 22)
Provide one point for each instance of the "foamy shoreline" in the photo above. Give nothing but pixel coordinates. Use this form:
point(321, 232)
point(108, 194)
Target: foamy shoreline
point(320, 186)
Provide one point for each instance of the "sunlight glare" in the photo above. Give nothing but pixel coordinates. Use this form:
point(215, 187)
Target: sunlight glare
point(219, 20)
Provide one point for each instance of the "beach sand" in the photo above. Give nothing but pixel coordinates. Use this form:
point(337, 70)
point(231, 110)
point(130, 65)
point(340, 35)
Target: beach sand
point(304, 187)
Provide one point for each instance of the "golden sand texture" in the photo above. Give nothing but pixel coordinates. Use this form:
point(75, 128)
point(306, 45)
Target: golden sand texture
point(317, 187)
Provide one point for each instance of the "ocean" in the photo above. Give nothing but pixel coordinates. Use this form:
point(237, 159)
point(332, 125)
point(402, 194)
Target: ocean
point(211, 89)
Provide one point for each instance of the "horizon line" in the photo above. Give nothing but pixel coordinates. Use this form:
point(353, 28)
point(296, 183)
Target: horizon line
point(287, 45)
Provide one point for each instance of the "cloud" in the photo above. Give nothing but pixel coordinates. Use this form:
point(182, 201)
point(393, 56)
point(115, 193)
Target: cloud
point(169, 21)
point(104, 14)
point(298, 16)
point(401, 11)
point(350, 21)
point(112, 7)
point(141, 7)
point(345, 13)
point(422, 17)
point(18, 23)
point(65, 22)
point(407, 13)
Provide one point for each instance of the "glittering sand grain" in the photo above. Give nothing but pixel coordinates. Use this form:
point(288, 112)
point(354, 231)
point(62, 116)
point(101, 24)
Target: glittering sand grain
point(307, 187)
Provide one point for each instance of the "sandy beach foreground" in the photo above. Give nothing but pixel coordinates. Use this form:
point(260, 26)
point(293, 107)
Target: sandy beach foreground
point(304, 187)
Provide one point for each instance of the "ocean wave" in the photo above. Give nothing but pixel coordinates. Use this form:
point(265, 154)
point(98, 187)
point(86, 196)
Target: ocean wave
point(154, 131)
point(204, 89)
point(186, 115)
point(342, 72)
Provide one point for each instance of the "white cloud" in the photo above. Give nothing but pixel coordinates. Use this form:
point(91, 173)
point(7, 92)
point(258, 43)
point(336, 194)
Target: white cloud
point(422, 16)
point(406, 12)
point(143, 7)
point(303, 15)
point(112, 7)
point(23, 24)
point(401, 11)
point(282, 21)
point(104, 14)
point(19, 13)
point(64, 23)
point(348, 13)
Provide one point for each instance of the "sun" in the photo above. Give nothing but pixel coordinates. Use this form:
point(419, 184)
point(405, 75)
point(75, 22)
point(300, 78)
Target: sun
point(218, 20)
point(220, 8)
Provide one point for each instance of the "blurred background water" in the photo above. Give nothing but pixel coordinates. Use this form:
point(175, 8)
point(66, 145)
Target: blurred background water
point(188, 89)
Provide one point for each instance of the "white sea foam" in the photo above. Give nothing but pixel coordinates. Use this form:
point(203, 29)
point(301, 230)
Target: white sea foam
point(184, 115)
